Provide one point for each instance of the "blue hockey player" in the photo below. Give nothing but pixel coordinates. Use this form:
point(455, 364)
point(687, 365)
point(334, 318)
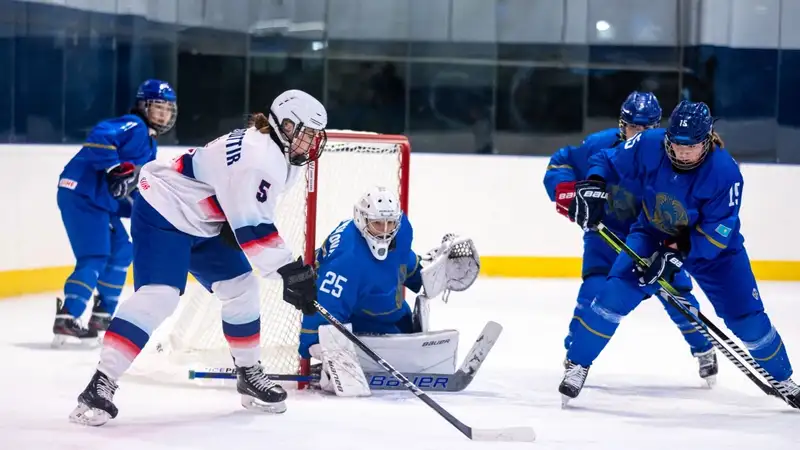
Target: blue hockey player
point(95, 190)
point(363, 267)
point(639, 111)
point(692, 190)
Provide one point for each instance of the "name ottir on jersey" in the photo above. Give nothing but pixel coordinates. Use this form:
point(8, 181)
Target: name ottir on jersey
point(235, 178)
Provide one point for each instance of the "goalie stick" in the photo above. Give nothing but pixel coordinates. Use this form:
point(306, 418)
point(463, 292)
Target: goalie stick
point(702, 324)
point(519, 434)
point(434, 382)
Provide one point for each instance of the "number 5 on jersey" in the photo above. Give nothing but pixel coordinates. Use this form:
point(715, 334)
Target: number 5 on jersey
point(261, 195)
point(332, 279)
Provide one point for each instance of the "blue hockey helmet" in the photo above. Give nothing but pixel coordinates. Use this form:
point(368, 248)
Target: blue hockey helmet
point(689, 135)
point(157, 101)
point(639, 109)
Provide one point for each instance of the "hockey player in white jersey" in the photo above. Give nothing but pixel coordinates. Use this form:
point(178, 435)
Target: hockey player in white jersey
point(211, 213)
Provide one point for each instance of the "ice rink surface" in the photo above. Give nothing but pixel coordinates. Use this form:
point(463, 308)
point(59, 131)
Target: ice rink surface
point(642, 393)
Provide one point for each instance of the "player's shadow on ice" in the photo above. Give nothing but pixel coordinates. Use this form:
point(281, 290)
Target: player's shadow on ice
point(161, 428)
point(46, 346)
point(663, 391)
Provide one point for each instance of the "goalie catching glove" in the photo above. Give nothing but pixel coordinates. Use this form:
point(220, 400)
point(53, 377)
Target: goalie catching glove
point(453, 266)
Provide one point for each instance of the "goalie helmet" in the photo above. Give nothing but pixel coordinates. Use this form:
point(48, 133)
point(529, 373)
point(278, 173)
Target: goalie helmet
point(377, 216)
point(299, 121)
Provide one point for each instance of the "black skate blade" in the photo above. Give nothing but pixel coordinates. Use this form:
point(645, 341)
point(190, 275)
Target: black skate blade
point(97, 418)
point(254, 404)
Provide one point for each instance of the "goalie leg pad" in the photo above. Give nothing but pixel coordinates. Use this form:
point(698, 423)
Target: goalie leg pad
point(341, 372)
point(241, 320)
point(431, 352)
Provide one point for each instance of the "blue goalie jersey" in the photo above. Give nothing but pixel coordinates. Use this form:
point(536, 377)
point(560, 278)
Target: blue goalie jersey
point(356, 288)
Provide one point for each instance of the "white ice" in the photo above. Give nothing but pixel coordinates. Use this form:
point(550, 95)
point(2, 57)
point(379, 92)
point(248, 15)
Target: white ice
point(642, 393)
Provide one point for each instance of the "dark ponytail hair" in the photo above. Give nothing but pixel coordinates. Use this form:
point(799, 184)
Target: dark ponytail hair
point(716, 139)
point(259, 121)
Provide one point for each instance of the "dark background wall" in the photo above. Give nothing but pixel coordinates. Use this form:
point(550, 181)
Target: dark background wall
point(510, 76)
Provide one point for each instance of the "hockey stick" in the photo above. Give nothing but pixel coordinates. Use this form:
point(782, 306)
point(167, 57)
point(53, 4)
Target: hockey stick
point(435, 382)
point(520, 434)
point(700, 322)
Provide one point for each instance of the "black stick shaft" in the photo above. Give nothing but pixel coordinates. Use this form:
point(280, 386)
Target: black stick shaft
point(702, 324)
point(464, 429)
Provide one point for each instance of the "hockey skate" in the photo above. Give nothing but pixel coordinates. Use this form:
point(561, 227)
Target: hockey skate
point(259, 392)
point(96, 399)
point(572, 383)
point(792, 392)
point(66, 326)
point(101, 318)
point(707, 363)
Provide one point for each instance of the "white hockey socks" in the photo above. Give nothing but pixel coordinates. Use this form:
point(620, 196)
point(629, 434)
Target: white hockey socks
point(241, 317)
point(134, 323)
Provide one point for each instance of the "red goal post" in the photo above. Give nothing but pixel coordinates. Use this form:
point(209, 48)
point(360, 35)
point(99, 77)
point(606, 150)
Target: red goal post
point(308, 211)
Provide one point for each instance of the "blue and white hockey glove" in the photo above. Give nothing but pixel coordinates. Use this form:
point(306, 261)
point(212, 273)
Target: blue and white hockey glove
point(664, 262)
point(122, 180)
point(588, 207)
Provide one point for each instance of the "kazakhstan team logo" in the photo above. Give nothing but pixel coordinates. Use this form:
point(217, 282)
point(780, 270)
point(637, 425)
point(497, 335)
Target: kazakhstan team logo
point(668, 214)
point(621, 203)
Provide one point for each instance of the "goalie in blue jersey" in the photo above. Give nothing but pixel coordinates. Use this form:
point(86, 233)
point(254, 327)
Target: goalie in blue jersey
point(363, 269)
point(95, 191)
point(692, 191)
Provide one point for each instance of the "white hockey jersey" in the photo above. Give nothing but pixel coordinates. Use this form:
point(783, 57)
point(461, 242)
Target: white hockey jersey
point(236, 178)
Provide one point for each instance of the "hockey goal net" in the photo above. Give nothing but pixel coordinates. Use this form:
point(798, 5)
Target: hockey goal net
point(192, 339)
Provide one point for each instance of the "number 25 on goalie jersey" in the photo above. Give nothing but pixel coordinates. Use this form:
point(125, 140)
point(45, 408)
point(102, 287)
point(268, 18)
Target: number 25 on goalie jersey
point(358, 289)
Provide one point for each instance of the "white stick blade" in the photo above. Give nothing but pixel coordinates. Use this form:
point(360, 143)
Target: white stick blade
point(515, 434)
point(480, 349)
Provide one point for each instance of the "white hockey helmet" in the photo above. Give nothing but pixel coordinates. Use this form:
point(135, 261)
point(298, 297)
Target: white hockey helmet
point(299, 120)
point(377, 216)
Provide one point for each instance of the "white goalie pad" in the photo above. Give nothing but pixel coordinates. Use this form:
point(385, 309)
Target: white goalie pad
point(453, 266)
point(431, 352)
point(341, 372)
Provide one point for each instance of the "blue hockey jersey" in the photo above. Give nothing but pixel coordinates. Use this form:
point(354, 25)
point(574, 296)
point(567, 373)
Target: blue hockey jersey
point(357, 288)
point(572, 164)
point(110, 143)
point(705, 199)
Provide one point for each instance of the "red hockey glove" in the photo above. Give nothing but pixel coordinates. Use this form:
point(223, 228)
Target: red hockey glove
point(565, 192)
point(122, 179)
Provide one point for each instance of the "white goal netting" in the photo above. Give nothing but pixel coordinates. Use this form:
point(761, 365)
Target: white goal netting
point(192, 337)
